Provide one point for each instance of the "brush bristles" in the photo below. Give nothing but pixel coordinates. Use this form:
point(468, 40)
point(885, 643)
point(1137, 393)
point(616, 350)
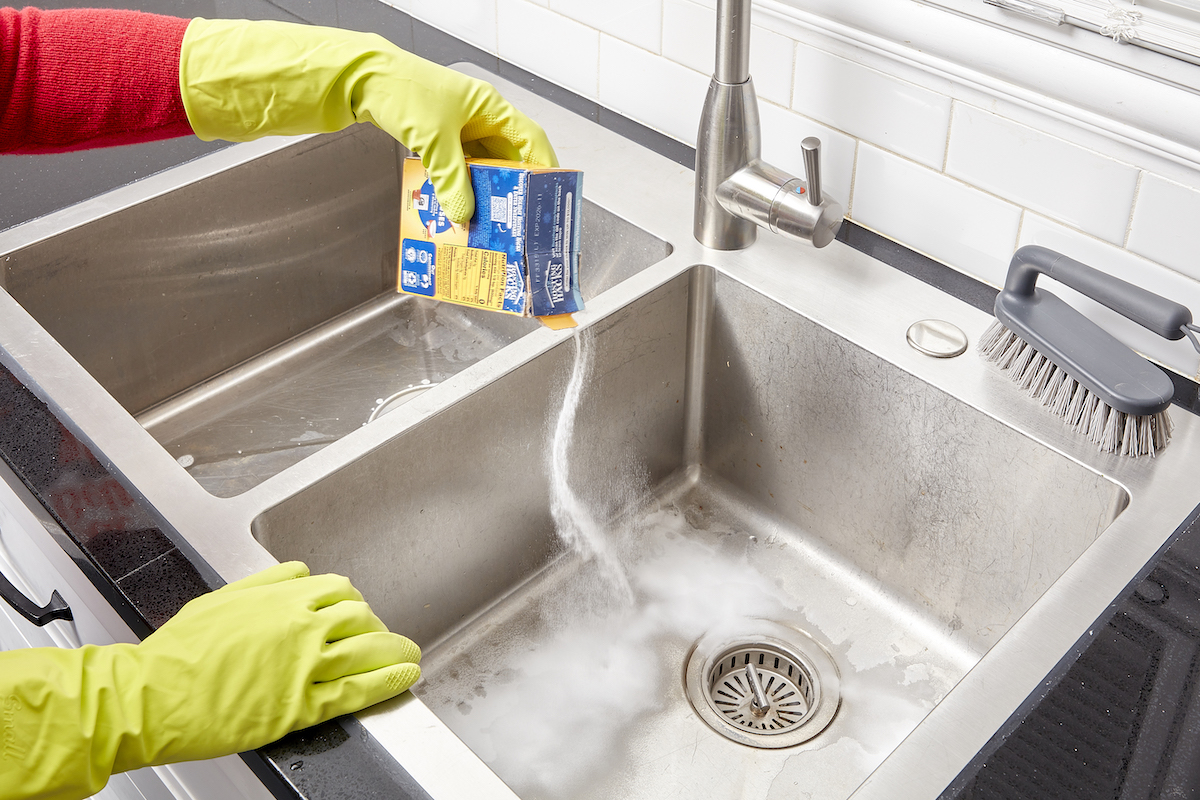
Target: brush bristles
point(1111, 430)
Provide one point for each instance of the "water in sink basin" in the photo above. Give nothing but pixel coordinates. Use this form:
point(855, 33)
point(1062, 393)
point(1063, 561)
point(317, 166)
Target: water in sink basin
point(901, 528)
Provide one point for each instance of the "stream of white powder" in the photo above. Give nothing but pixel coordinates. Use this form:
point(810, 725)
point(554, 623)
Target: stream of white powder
point(553, 714)
point(575, 523)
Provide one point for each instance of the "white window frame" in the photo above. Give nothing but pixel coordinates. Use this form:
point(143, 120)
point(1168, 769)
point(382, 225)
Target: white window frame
point(1129, 103)
point(1170, 27)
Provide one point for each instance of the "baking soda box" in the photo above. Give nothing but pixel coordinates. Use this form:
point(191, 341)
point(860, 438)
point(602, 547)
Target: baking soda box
point(519, 253)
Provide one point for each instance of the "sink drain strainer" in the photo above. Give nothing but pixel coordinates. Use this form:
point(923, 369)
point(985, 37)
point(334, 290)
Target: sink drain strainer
point(771, 686)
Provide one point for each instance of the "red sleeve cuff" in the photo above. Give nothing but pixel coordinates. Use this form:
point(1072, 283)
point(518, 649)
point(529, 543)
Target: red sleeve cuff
point(82, 78)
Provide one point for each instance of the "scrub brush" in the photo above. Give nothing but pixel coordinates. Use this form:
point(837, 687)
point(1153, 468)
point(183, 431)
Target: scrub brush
point(1114, 397)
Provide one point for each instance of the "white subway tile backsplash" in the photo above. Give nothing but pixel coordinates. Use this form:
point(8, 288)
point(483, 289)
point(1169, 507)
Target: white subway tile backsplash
point(1044, 173)
point(1164, 225)
point(885, 139)
point(970, 230)
point(782, 132)
point(771, 59)
point(550, 45)
point(473, 21)
point(689, 37)
point(651, 89)
point(1178, 355)
point(638, 22)
point(877, 108)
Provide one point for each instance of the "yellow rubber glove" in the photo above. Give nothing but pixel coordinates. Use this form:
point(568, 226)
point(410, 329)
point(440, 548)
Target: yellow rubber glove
point(241, 80)
point(234, 670)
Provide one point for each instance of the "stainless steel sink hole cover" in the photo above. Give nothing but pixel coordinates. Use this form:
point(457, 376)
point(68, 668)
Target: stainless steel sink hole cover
point(768, 686)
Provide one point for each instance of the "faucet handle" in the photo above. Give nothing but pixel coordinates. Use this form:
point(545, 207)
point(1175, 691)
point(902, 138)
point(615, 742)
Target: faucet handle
point(811, 148)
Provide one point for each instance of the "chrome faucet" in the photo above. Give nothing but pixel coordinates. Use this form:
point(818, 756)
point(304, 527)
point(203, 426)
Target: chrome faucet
point(736, 191)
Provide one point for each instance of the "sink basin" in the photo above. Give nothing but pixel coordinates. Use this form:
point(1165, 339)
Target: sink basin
point(249, 317)
point(732, 465)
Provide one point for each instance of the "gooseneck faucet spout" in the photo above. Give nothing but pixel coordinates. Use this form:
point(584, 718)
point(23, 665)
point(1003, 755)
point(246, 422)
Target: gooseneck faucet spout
point(736, 191)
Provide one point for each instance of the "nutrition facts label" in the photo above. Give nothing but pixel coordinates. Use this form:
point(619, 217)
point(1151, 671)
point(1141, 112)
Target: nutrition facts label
point(472, 276)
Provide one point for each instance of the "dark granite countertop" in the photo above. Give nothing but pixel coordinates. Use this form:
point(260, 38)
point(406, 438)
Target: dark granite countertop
point(1117, 718)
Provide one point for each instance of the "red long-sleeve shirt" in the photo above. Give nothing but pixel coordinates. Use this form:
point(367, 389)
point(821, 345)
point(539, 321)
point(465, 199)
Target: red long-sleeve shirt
point(82, 78)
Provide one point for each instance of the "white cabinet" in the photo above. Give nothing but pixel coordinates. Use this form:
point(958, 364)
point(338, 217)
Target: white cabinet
point(36, 565)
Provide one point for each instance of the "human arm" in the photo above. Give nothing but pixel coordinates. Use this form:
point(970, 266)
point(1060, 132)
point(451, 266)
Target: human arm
point(234, 670)
point(83, 78)
point(75, 79)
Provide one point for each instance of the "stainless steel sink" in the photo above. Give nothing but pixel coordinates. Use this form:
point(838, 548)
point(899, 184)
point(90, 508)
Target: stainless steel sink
point(250, 317)
point(749, 463)
point(767, 455)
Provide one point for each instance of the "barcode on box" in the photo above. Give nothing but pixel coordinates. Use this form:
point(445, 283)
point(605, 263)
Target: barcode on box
point(499, 209)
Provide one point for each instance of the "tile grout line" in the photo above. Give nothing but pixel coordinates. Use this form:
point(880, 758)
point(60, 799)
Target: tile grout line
point(853, 182)
point(662, 27)
point(1137, 191)
point(946, 144)
point(599, 60)
point(792, 80)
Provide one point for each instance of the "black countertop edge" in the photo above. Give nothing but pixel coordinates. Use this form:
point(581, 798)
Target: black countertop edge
point(110, 530)
point(957, 284)
point(1085, 682)
point(86, 564)
point(147, 570)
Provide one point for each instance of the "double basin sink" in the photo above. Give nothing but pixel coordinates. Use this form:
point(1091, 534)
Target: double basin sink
point(751, 457)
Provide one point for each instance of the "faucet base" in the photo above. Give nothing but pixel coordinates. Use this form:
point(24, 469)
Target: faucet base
point(727, 140)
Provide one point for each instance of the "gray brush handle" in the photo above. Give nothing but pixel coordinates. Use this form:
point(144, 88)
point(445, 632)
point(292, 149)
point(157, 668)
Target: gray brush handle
point(1090, 355)
point(1153, 312)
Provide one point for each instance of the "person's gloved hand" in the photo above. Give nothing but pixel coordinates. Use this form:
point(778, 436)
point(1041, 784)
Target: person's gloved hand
point(241, 80)
point(234, 670)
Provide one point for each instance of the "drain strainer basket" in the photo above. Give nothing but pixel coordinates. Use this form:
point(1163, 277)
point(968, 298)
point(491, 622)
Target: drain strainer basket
point(766, 686)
